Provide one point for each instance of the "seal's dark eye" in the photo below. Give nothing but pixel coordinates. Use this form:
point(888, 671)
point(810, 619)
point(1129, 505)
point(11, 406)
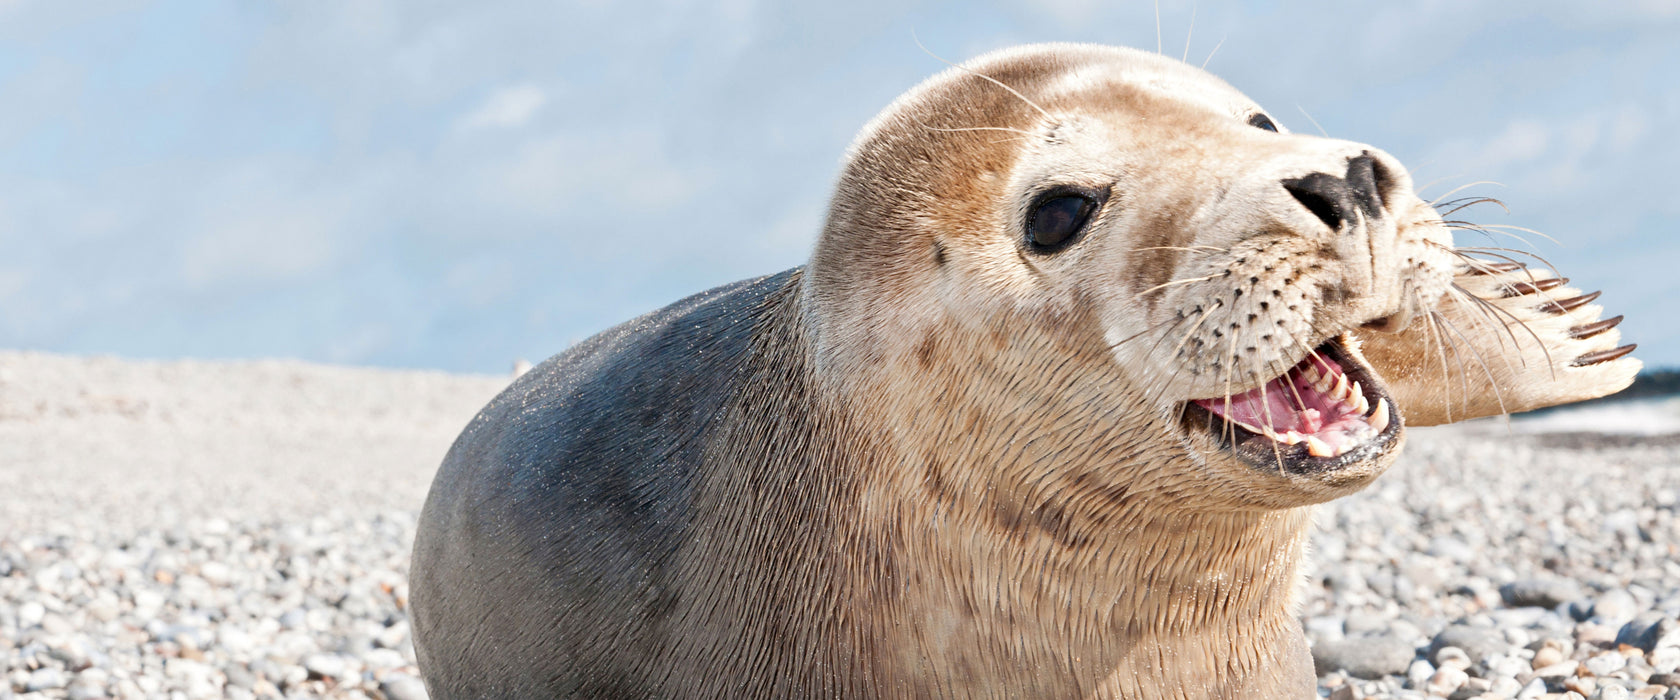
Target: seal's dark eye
point(1261, 121)
point(1057, 220)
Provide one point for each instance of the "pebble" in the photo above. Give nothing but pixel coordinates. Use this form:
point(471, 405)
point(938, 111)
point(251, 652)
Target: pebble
point(1539, 592)
point(325, 666)
point(401, 686)
point(1476, 642)
point(1612, 692)
point(1418, 673)
point(1606, 663)
point(1486, 563)
point(48, 678)
point(1525, 583)
point(1615, 606)
point(1446, 681)
point(1650, 631)
point(1364, 657)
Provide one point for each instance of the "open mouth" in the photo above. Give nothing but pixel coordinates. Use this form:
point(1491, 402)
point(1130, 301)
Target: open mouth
point(1326, 412)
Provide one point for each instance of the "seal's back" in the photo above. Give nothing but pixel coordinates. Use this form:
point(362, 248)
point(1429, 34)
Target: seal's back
point(542, 561)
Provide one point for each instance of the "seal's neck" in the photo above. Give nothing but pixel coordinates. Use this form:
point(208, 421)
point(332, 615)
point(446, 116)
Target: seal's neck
point(1045, 522)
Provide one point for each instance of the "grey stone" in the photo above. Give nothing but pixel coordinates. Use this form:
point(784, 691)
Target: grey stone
point(1347, 691)
point(1418, 673)
point(1365, 657)
point(238, 676)
point(1650, 631)
point(1606, 663)
point(1445, 681)
point(1615, 606)
point(1448, 547)
point(401, 686)
point(1612, 692)
point(1324, 628)
point(325, 666)
point(45, 678)
point(1539, 592)
point(84, 691)
point(1477, 642)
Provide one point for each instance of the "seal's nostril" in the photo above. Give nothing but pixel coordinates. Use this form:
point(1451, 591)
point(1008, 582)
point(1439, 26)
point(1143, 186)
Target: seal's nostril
point(1366, 181)
point(1326, 196)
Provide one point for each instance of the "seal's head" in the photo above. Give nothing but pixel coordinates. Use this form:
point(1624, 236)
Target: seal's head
point(1142, 251)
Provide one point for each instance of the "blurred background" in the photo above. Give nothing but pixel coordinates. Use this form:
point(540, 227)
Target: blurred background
point(456, 185)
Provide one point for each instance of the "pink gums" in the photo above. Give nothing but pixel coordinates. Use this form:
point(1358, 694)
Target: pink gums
point(1291, 403)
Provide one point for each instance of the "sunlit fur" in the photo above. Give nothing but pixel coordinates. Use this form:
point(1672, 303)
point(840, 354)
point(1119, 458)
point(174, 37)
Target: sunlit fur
point(946, 466)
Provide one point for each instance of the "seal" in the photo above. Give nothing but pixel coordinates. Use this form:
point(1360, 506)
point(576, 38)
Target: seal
point(1084, 337)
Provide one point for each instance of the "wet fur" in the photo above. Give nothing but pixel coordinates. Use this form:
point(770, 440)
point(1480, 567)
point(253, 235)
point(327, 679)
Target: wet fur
point(928, 464)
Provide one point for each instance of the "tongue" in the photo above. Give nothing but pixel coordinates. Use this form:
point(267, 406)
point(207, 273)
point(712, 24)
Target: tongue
point(1312, 403)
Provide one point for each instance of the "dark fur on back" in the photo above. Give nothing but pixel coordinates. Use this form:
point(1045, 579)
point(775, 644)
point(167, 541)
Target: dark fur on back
point(545, 554)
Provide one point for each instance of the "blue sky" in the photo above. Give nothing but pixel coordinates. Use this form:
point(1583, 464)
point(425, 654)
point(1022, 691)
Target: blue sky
point(454, 185)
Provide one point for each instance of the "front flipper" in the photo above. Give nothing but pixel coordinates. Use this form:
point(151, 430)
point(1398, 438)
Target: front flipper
point(1505, 339)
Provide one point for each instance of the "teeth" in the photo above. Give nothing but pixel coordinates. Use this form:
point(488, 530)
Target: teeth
point(1341, 390)
point(1361, 403)
point(1379, 418)
point(1324, 383)
point(1311, 374)
point(1289, 437)
point(1319, 448)
point(1356, 398)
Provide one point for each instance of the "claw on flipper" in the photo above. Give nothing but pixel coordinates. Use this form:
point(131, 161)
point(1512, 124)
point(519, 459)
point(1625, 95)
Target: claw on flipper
point(1595, 328)
point(1593, 358)
point(1517, 289)
point(1563, 306)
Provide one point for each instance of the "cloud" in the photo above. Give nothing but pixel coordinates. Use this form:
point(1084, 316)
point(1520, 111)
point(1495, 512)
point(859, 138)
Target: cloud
point(1522, 141)
point(557, 174)
point(481, 165)
point(506, 108)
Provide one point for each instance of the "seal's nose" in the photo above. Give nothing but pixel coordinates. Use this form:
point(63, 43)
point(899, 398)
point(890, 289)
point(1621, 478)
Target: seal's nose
point(1337, 201)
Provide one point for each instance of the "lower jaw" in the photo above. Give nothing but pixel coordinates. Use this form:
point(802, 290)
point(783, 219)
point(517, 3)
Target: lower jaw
point(1265, 453)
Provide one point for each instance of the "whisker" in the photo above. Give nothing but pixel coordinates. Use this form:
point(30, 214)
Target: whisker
point(992, 80)
point(1193, 249)
point(1215, 275)
point(1138, 334)
point(1446, 384)
point(1419, 189)
point(1215, 50)
point(1157, 27)
point(1309, 117)
point(980, 128)
point(1459, 205)
point(1498, 310)
point(1462, 188)
point(1489, 231)
point(1463, 253)
point(1230, 365)
point(1463, 376)
point(1523, 229)
point(1497, 394)
point(1266, 405)
point(1490, 252)
point(1487, 320)
point(1193, 326)
point(1191, 34)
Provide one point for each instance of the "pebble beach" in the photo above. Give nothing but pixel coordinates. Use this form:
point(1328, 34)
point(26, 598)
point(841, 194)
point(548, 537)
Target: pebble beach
point(242, 530)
